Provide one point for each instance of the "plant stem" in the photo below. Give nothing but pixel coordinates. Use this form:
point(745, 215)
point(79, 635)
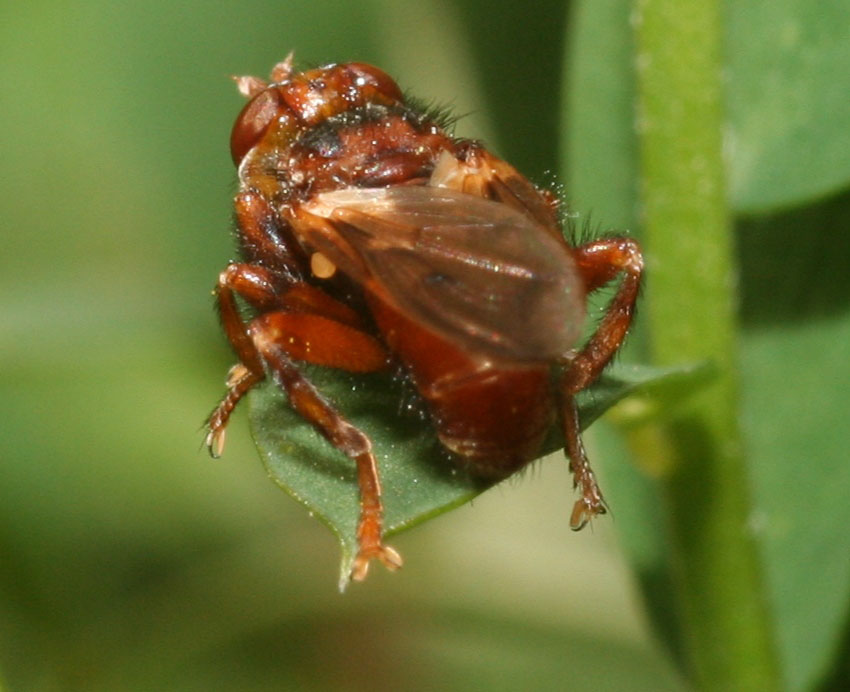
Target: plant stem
point(691, 305)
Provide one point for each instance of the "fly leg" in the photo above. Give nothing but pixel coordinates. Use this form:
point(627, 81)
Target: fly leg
point(257, 285)
point(313, 407)
point(297, 321)
point(266, 247)
point(313, 327)
point(599, 262)
point(309, 324)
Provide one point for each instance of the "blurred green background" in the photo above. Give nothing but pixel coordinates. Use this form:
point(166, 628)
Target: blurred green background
point(131, 560)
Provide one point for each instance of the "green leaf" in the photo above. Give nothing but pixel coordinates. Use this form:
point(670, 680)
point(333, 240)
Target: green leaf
point(599, 146)
point(787, 101)
point(795, 370)
point(786, 108)
point(419, 478)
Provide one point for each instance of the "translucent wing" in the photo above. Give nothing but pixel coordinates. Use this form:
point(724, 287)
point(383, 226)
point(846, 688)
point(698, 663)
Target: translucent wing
point(477, 271)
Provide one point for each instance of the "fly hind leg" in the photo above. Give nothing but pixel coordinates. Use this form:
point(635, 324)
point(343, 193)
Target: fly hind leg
point(297, 321)
point(265, 246)
point(258, 286)
point(313, 407)
point(598, 262)
point(331, 339)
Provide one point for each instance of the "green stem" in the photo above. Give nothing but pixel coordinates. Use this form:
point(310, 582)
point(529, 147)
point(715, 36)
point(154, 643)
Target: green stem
point(691, 311)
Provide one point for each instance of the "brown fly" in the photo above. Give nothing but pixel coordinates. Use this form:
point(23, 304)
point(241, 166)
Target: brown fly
point(371, 236)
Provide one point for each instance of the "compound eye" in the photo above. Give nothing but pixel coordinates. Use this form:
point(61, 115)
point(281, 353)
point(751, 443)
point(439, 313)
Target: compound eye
point(378, 79)
point(253, 122)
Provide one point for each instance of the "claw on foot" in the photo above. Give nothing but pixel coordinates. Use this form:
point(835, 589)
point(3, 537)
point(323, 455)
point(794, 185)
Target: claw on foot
point(239, 381)
point(585, 509)
point(215, 441)
point(388, 556)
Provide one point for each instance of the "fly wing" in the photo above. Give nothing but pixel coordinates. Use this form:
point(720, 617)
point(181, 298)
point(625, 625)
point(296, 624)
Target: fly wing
point(476, 271)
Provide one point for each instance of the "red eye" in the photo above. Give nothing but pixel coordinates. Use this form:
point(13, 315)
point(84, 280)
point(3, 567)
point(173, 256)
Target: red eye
point(253, 122)
point(378, 79)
